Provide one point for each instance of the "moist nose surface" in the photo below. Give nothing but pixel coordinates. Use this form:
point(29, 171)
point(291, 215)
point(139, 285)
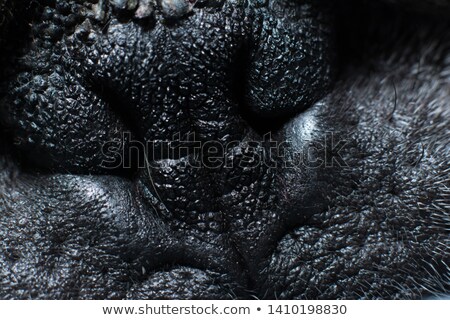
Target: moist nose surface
point(196, 79)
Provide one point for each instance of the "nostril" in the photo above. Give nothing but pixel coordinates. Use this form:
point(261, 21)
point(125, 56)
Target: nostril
point(290, 58)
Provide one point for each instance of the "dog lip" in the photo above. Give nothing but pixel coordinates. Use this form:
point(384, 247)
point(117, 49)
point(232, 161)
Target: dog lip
point(185, 282)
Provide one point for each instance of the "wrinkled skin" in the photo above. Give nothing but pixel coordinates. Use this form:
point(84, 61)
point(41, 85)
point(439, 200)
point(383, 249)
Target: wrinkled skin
point(78, 74)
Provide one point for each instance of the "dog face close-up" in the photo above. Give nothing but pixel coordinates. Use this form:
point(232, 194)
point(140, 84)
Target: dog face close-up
point(224, 149)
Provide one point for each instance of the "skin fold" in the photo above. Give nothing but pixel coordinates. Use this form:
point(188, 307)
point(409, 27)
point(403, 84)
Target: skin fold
point(367, 82)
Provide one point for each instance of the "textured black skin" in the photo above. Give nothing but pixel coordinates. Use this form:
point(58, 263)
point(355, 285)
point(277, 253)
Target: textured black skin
point(376, 77)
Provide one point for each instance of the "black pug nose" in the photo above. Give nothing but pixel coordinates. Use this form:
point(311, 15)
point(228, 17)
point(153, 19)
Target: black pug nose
point(93, 74)
point(95, 71)
point(101, 74)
